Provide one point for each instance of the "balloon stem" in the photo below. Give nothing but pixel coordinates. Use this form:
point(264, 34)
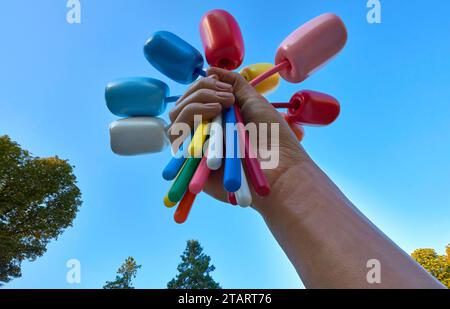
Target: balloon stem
point(276, 69)
point(172, 99)
point(256, 175)
point(281, 105)
point(201, 72)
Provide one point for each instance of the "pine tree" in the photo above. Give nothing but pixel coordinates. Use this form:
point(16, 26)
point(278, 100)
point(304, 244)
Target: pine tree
point(125, 275)
point(194, 270)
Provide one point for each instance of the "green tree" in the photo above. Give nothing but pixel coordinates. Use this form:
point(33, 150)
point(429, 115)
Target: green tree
point(38, 200)
point(125, 275)
point(194, 269)
point(435, 264)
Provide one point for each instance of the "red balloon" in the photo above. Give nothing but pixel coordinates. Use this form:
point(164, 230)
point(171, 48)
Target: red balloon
point(313, 108)
point(222, 40)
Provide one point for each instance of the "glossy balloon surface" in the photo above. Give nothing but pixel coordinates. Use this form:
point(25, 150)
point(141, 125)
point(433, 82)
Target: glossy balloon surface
point(173, 57)
point(313, 108)
point(232, 168)
point(252, 71)
point(311, 46)
point(138, 135)
point(136, 96)
point(168, 203)
point(222, 40)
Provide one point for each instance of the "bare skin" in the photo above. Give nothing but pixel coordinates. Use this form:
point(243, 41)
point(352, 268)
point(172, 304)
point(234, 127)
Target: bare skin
point(326, 238)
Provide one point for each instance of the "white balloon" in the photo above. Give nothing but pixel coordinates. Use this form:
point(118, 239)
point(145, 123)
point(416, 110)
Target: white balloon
point(138, 135)
point(215, 148)
point(243, 195)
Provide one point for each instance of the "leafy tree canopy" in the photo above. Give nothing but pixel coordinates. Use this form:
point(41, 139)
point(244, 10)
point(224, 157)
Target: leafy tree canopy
point(435, 264)
point(38, 200)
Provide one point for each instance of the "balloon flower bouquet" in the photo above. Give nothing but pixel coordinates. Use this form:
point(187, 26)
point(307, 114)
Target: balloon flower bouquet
point(140, 99)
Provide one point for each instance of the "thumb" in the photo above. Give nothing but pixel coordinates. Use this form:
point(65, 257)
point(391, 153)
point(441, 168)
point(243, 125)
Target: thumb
point(254, 107)
point(243, 91)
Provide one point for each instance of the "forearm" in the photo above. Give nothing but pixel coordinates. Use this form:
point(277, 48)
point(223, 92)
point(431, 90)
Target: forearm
point(328, 240)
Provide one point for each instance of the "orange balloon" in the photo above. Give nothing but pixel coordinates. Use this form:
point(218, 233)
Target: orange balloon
point(298, 129)
point(184, 207)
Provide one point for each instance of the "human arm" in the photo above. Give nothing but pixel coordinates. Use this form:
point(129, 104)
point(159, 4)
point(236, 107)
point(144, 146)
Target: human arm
point(327, 239)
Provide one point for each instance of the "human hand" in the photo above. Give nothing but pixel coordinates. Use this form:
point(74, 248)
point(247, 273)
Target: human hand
point(222, 89)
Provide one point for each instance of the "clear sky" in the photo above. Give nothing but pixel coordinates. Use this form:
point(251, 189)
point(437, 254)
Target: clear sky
point(388, 151)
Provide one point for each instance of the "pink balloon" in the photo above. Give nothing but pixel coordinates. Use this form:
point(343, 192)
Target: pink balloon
point(311, 46)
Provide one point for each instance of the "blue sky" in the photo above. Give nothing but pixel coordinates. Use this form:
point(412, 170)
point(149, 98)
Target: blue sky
point(388, 151)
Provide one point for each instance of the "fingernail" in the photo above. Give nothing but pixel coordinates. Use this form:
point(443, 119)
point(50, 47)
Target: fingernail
point(223, 86)
point(225, 95)
point(214, 76)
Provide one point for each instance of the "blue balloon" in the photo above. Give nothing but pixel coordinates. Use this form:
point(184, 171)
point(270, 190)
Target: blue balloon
point(174, 57)
point(136, 96)
point(232, 171)
point(174, 166)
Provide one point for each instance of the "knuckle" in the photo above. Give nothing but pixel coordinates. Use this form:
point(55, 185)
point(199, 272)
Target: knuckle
point(203, 83)
point(172, 115)
point(200, 95)
point(190, 108)
point(204, 92)
point(197, 84)
point(239, 78)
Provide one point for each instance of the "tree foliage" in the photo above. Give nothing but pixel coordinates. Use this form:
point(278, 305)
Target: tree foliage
point(125, 275)
point(435, 264)
point(194, 270)
point(38, 200)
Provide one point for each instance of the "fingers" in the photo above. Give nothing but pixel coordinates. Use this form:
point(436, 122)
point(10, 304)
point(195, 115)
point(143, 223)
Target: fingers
point(204, 96)
point(211, 82)
point(232, 78)
point(242, 89)
point(254, 107)
point(208, 111)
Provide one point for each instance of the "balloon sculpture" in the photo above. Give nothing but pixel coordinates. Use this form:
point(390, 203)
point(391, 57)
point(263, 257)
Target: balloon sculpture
point(140, 99)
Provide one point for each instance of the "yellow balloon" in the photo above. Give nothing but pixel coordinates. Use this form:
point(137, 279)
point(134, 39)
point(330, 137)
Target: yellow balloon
point(168, 203)
point(195, 148)
point(252, 71)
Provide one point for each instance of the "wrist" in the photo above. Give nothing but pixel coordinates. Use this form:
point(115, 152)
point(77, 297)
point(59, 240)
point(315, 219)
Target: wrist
point(290, 190)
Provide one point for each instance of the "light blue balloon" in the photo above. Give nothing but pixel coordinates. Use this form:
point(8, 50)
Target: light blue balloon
point(137, 96)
